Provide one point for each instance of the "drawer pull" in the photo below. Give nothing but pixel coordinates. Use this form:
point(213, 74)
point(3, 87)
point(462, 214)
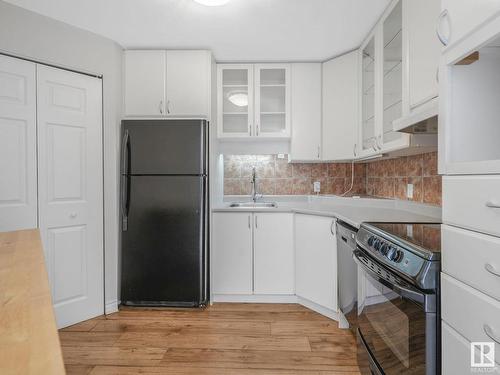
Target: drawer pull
point(492, 205)
point(489, 332)
point(488, 267)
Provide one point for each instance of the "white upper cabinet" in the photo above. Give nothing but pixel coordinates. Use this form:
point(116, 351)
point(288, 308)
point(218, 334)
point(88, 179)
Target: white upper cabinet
point(167, 84)
point(235, 100)
point(340, 108)
point(188, 83)
point(306, 112)
point(423, 49)
point(254, 101)
point(145, 77)
point(272, 101)
point(369, 86)
point(392, 79)
point(459, 18)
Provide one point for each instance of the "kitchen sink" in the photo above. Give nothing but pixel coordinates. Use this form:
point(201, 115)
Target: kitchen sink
point(253, 205)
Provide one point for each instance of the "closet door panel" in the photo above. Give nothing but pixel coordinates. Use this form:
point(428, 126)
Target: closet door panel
point(71, 191)
point(18, 198)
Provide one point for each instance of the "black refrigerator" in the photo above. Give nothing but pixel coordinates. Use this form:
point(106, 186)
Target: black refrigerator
point(164, 213)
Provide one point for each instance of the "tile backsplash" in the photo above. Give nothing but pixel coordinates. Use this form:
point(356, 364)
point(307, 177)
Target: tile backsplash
point(384, 178)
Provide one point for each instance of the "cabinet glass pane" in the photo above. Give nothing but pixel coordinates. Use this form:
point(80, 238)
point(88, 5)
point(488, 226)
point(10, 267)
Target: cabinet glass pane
point(393, 74)
point(235, 116)
point(272, 100)
point(368, 95)
point(235, 77)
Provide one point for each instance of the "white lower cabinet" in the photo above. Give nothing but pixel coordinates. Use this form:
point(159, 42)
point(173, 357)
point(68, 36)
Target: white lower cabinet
point(252, 253)
point(274, 263)
point(316, 260)
point(232, 253)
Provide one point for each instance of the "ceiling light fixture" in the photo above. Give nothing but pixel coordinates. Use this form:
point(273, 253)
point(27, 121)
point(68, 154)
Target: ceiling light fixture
point(212, 3)
point(239, 99)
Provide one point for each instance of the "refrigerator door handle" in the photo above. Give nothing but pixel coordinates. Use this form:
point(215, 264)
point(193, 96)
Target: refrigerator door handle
point(125, 191)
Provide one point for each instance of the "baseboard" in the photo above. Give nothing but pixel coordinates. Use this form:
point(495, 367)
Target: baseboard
point(318, 308)
point(111, 307)
point(254, 298)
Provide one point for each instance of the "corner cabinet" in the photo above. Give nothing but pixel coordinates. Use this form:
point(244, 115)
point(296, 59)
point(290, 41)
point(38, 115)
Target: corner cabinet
point(252, 255)
point(167, 84)
point(316, 261)
point(253, 101)
point(383, 89)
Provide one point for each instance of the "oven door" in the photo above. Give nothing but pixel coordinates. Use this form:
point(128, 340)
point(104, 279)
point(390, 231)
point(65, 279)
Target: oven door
point(397, 326)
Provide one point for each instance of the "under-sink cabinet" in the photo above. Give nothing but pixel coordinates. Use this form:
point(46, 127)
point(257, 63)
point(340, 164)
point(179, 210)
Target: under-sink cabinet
point(316, 261)
point(252, 255)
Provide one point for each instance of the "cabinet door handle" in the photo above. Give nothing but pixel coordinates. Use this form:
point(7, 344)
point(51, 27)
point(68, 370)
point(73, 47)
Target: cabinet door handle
point(444, 40)
point(249, 225)
point(491, 204)
point(256, 226)
point(488, 267)
point(318, 151)
point(168, 106)
point(489, 332)
point(257, 130)
point(250, 129)
point(331, 227)
point(354, 149)
point(437, 75)
point(160, 106)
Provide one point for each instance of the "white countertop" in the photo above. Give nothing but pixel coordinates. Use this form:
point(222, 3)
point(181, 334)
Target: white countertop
point(353, 211)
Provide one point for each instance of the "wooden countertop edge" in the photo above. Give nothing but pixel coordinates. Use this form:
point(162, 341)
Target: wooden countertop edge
point(29, 341)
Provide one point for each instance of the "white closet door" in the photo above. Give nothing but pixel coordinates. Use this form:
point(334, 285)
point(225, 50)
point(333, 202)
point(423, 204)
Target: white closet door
point(71, 191)
point(18, 200)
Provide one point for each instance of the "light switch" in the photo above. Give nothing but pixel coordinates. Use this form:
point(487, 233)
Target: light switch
point(409, 191)
point(317, 186)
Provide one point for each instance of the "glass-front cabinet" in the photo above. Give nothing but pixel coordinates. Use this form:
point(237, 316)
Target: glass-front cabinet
point(235, 100)
point(272, 100)
point(392, 82)
point(368, 85)
point(253, 101)
point(382, 72)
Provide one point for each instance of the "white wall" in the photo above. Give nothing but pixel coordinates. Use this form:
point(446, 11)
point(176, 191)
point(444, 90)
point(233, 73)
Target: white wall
point(27, 34)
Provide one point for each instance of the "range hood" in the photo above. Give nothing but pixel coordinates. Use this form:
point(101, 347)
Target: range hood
point(423, 120)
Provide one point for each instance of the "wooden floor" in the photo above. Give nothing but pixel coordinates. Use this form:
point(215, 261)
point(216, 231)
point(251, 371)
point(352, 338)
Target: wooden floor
point(247, 339)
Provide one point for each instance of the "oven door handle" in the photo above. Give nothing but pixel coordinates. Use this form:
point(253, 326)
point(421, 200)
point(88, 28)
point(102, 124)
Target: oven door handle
point(403, 290)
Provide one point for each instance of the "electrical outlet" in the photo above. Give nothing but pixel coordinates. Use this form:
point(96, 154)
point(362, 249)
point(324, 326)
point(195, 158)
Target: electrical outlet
point(281, 156)
point(317, 186)
point(409, 191)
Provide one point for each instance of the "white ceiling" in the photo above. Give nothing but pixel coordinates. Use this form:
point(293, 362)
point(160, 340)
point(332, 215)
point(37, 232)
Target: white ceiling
point(243, 30)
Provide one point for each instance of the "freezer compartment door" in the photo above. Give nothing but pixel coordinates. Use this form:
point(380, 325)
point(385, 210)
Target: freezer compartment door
point(163, 247)
point(165, 147)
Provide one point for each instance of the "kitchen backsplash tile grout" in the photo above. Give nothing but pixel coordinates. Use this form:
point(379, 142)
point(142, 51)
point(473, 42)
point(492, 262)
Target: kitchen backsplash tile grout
point(383, 178)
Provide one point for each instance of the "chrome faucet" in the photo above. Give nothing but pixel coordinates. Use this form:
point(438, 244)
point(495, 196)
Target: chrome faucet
point(255, 195)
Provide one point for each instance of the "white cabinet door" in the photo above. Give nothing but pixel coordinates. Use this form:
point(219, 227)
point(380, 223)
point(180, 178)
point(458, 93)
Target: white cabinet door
point(340, 107)
point(235, 101)
point(145, 83)
point(70, 191)
point(232, 258)
point(188, 83)
point(272, 100)
point(424, 49)
point(274, 271)
point(316, 260)
point(18, 189)
point(461, 17)
point(306, 112)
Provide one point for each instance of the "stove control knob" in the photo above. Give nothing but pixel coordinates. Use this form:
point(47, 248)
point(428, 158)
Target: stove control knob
point(395, 255)
point(371, 240)
point(376, 244)
point(384, 248)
